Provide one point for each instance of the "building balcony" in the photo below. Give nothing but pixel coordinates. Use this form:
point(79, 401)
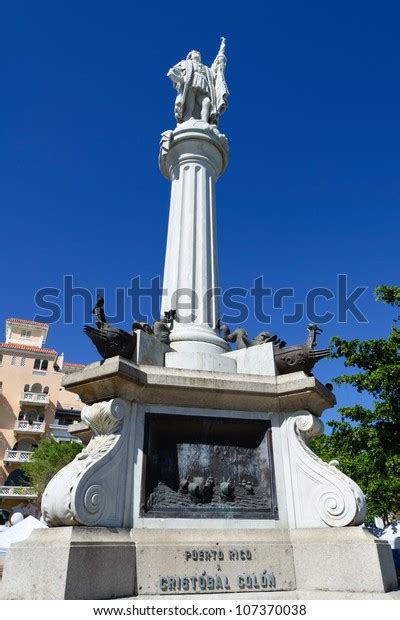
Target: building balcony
point(38, 399)
point(19, 492)
point(24, 426)
point(17, 456)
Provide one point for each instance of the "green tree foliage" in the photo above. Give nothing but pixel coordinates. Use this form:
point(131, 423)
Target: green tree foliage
point(47, 460)
point(366, 441)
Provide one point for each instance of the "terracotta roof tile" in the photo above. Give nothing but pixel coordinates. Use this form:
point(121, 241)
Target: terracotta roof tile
point(25, 347)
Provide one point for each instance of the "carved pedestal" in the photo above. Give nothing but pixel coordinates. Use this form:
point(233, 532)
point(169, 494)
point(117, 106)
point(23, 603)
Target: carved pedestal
point(194, 464)
point(188, 444)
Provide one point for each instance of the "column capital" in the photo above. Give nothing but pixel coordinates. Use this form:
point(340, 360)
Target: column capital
point(193, 141)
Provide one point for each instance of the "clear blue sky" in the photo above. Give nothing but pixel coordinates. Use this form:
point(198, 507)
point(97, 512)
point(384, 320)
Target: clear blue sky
point(312, 188)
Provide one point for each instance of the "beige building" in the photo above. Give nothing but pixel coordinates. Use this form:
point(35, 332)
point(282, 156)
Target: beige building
point(33, 405)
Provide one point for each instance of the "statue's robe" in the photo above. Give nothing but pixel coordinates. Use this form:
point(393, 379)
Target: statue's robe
point(216, 87)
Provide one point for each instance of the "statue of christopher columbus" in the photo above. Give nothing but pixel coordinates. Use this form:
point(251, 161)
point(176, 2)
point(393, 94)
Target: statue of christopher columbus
point(202, 91)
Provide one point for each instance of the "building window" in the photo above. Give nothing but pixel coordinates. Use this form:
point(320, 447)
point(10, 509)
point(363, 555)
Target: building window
point(40, 365)
point(26, 445)
point(1, 386)
point(17, 478)
point(32, 416)
point(25, 334)
point(1, 359)
point(23, 360)
point(13, 360)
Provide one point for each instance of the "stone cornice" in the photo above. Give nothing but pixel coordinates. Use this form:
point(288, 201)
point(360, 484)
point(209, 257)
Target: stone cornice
point(193, 388)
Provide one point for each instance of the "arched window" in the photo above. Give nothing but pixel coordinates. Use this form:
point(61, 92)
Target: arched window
point(26, 387)
point(37, 388)
point(31, 416)
point(21, 415)
point(46, 390)
point(25, 445)
point(41, 418)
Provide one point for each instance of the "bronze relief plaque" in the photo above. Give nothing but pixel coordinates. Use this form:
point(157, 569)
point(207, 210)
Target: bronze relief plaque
point(206, 467)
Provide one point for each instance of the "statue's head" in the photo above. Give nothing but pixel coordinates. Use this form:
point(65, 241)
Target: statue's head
point(194, 55)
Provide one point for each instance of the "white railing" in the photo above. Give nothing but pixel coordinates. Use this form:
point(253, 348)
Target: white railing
point(17, 492)
point(24, 426)
point(35, 398)
point(59, 427)
point(17, 456)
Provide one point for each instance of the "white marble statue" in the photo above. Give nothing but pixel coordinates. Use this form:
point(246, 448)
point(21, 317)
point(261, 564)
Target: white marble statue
point(202, 91)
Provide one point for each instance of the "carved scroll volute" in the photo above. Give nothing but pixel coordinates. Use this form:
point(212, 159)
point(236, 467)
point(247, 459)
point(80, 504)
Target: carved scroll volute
point(103, 418)
point(85, 492)
point(335, 499)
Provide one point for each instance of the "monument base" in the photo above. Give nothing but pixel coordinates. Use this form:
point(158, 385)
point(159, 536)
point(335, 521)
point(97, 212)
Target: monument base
point(104, 563)
point(67, 563)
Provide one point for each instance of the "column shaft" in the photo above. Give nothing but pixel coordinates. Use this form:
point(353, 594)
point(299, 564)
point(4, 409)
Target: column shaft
point(195, 157)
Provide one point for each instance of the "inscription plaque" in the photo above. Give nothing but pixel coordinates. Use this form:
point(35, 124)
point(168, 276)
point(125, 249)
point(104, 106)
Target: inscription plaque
point(173, 568)
point(204, 467)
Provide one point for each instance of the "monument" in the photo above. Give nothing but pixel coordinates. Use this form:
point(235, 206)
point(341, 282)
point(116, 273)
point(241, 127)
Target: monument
point(198, 478)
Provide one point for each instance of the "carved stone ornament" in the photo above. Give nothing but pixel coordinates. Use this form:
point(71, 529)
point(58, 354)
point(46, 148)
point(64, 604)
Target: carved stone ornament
point(91, 490)
point(165, 144)
point(322, 494)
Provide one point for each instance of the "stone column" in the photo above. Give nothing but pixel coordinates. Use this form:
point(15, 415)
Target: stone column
point(193, 157)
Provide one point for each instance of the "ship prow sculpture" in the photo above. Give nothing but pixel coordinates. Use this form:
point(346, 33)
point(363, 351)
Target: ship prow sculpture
point(111, 341)
point(199, 477)
point(108, 340)
point(301, 357)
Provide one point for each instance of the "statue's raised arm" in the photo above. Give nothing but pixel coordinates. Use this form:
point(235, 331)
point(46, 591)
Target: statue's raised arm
point(220, 59)
point(202, 91)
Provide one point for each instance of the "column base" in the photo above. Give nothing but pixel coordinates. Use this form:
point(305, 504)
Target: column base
point(198, 347)
point(192, 338)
